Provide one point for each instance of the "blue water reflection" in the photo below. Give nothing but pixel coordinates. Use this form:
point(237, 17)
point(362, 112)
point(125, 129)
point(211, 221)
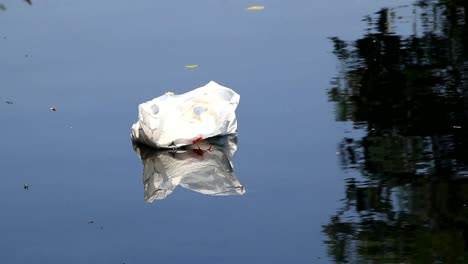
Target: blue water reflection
point(95, 62)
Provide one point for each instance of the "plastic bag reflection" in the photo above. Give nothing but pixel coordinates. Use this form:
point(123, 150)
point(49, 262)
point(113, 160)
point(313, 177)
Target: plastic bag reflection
point(205, 167)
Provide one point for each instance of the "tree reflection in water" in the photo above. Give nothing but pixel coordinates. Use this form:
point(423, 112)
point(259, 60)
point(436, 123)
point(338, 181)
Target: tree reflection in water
point(4, 8)
point(409, 95)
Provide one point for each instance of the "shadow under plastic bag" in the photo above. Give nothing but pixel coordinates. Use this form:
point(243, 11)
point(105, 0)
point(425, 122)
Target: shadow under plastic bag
point(205, 167)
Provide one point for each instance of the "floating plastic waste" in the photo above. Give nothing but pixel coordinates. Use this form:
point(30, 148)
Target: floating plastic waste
point(172, 121)
point(205, 167)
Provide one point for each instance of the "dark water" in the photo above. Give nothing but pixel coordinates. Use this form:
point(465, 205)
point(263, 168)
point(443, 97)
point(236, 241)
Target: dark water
point(377, 175)
point(406, 198)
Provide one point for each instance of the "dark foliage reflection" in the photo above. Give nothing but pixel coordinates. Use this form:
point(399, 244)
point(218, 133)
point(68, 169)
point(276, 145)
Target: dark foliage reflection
point(4, 8)
point(409, 95)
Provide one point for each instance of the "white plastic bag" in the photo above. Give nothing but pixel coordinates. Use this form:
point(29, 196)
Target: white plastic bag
point(171, 121)
point(205, 167)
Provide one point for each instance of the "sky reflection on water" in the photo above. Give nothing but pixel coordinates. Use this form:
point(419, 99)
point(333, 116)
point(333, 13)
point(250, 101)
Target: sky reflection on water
point(96, 62)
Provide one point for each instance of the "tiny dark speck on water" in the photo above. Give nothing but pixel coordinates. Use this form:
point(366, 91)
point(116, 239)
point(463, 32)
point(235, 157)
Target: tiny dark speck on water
point(26, 187)
point(8, 102)
point(91, 222)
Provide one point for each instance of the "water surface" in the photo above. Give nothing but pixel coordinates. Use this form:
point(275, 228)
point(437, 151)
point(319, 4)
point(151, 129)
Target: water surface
point(403, 86)
point(95, 62)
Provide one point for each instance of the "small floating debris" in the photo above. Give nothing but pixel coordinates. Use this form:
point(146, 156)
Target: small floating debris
point(252, 8)
point(26, 187)
point(169, 93)
point(456, 126)
point(91, 222)
point(193, 66)
point(8, 102)
point(53, 109)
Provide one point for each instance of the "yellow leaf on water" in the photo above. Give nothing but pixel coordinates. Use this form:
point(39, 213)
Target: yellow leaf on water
point(169, 93)
point(255, 8)
point(192, 66)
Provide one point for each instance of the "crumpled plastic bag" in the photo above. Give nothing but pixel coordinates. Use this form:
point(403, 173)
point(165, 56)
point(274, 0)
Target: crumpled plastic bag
point(205, 167)
point(172, 121)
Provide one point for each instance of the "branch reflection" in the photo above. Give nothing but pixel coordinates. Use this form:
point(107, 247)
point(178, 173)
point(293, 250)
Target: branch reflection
point(404, 89)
